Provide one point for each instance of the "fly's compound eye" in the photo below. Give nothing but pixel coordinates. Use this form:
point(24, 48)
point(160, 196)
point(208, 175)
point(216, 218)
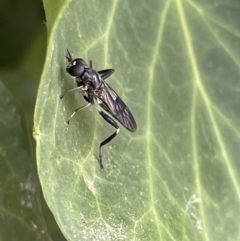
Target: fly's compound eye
point(76, 67)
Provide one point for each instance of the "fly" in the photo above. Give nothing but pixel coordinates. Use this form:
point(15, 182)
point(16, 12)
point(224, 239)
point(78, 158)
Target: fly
point(94, 88)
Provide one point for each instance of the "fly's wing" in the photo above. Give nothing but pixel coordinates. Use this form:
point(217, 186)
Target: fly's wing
point(111, 102)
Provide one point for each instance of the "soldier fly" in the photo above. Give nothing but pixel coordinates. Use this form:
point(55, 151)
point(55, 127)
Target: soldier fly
point(93, 87)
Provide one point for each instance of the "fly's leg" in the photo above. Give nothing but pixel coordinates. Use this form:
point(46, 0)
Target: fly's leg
point(80, 108)
point(105, 73)
point(77, 88)
point(90, 64)
point(73, 114)
point(114, 124)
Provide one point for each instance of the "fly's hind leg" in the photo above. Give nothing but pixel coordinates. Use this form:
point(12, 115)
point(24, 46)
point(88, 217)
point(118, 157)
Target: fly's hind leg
point(114, 124)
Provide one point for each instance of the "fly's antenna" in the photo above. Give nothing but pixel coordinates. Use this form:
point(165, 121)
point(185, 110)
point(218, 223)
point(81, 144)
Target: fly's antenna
point(69, 56)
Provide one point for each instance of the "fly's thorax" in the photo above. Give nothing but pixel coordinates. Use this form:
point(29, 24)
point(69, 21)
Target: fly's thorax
point(91, 78)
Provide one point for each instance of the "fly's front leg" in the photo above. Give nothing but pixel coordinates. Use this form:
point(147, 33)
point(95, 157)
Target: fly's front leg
point(114, 124)
point(90, 63)
point(105, 73)
point(77, 88)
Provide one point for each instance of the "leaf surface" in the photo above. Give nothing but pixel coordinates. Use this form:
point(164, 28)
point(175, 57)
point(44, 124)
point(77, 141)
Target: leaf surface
point(177, 68)
point(20, 211)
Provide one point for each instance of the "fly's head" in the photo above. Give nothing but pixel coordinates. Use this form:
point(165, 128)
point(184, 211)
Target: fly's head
point(75, 67)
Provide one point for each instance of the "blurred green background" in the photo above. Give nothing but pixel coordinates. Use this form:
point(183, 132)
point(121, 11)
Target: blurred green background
point(23, 40)
point(23, 48)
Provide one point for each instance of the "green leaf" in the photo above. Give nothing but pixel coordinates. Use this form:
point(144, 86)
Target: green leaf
point(177, 177)
point(20, 211)
point(24, 89)
point(32, 61)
